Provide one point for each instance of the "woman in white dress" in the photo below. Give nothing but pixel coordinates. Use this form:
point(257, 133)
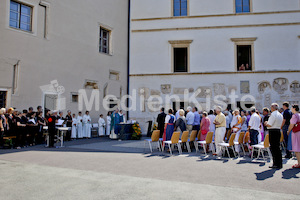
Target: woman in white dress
point(101, 126)
point(108, 122)
point(79, 125)
point(74, 127)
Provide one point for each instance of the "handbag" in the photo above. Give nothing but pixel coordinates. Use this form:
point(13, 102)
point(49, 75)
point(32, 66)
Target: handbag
point(297, 125)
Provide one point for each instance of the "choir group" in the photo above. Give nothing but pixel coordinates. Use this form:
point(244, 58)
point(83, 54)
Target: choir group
point(27, 127)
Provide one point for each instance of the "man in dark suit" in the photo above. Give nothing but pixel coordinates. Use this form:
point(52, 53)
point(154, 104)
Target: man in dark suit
point(161, 121)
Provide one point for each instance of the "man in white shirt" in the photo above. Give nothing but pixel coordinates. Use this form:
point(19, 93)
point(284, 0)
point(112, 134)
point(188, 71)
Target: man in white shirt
point(274, 124)
point(254, 126)
point(190, 117)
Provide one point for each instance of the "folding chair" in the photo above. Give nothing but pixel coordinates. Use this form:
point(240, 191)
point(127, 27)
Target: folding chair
point(261, 148)
point(185, 139)
point(154, 139)
point(228, 145)
point(246, 141)
point(208, 140)
point(240, 142)
point(174, 140)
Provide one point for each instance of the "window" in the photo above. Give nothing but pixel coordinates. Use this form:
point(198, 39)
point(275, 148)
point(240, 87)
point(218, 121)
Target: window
point(113, 75)
point(104, 40)
point(242, 6)
point(74, 97)
point(91, 85)
point(180, 59)
point(180, 7)
point(244, 53)
point(180, 55)
point(20, 16)
point(3, 95)
point(244, 57)
point(178, 105)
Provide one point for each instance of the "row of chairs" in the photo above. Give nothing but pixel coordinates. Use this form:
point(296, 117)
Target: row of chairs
point(194, 138)
point(242, 142)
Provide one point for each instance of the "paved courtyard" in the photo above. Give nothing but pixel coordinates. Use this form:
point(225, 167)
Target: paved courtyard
point(103, 169)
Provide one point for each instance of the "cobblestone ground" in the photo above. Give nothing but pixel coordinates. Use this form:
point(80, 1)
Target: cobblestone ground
point(103, 169)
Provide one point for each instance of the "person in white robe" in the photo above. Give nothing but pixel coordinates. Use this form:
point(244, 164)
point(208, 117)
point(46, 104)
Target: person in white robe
point(74, 127)
point(86, 128)
point(79, 125)
point(101, 126)
point(108, 122)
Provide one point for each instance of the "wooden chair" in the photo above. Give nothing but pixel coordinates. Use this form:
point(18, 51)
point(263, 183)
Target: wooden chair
point(240, 142)
point(193, 138)
point(174, 141)
point(261, 148)
point(228, 145)
point(185, 139)
point(227, 136)
point(208, 140)
point(246, 141)
point(154, 139)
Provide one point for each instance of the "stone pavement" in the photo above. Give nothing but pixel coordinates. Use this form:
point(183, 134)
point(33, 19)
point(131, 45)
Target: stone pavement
point(103, 169)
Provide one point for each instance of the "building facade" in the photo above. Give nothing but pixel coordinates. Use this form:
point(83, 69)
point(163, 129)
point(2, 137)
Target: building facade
point(214, 47)
point(51, 49)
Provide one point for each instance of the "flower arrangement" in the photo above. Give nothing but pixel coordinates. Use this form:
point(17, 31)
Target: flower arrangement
point(154, 127)
point(137, 133)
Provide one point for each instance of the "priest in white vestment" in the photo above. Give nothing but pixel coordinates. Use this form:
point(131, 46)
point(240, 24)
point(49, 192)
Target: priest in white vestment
point(101, 126)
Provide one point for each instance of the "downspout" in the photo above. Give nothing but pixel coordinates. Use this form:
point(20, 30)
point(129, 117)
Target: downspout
point(128, 54)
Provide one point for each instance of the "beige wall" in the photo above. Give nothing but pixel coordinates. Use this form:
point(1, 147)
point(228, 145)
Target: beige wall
point(70, 52)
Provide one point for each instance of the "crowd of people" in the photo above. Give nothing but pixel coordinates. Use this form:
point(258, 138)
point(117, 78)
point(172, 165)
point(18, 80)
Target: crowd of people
point(27, 127)
point(258, 124)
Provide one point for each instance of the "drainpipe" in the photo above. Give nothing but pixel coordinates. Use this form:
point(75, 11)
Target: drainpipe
point(128, 54)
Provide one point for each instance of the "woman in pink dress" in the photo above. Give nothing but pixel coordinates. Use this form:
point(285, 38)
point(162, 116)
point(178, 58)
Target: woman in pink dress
point(204, 126)
point(295, 135)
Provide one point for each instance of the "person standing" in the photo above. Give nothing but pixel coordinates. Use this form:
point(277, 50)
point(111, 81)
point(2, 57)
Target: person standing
point(196, 124)
point(41, 123)
point(212, 118)
point(108, 122)
point(101, 125)
point(244, 126)
point(236, 125)
point(20, 129)
point(74, 127)
point(161, 121)
point(86, 120)
point(79, 125)
point(3, 124)
point(254, 126)
point(266, 115)
point(220, 122)
point(190, 117)
point(295, 128)
point(204, 126)
point(180, 124)
point(115, 127)
point(69, 120)
point(52, 120)
point(287, 116)
point(169, 126)
point(274, 124)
